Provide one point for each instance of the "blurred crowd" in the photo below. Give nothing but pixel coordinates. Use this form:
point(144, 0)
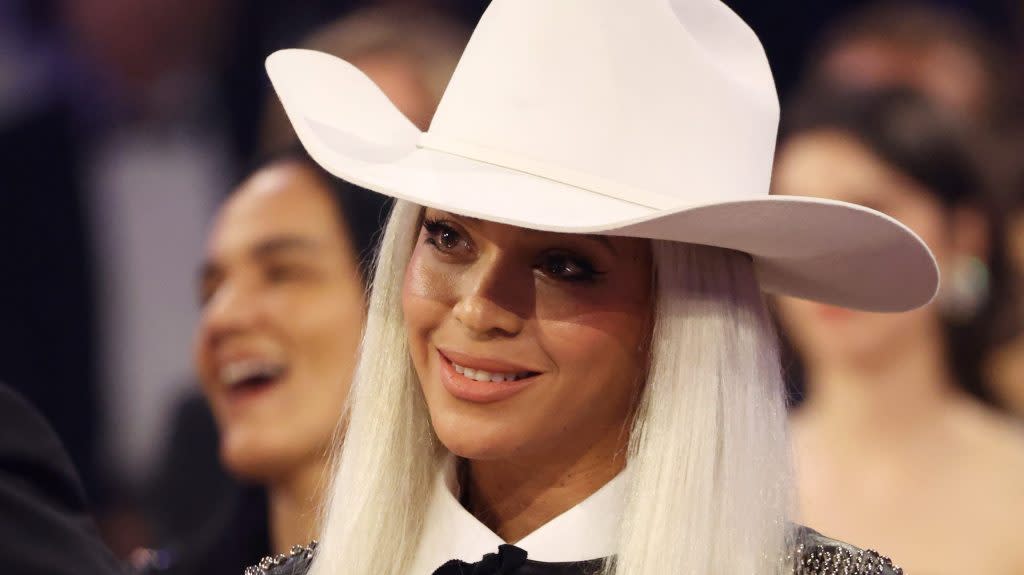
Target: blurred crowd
point(154, 201)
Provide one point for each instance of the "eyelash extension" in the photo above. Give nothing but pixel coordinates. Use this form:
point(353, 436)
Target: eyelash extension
point(433, 227)
point(436, 227)
point(589, 273)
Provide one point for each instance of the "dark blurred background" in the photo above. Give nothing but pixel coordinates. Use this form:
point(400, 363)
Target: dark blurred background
point(122, 125)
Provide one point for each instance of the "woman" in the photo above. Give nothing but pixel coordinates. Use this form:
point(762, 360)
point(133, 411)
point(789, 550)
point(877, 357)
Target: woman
point(895, 446)
point(549, 318)
point(282, 297)
point(282, 310)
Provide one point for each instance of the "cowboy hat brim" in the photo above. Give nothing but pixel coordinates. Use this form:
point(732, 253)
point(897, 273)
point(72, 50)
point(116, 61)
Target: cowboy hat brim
point(823, 250)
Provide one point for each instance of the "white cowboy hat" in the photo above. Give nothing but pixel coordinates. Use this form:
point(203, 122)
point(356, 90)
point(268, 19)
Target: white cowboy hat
point(645, 118)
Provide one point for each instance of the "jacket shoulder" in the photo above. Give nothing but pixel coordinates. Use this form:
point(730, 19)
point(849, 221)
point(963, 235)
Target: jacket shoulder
point(815, 554)
point(294, 563)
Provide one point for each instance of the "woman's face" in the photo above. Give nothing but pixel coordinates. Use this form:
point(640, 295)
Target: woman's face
point(527, 344)
point(282, 310)
point(834, 166)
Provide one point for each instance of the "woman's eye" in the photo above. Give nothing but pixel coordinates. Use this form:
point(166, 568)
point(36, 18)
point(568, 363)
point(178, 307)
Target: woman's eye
point(568, 267)
point(281, 273)
point(443, 236)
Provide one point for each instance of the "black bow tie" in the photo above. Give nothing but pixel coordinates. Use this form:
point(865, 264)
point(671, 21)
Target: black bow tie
point(511, 560)
point(506, 561)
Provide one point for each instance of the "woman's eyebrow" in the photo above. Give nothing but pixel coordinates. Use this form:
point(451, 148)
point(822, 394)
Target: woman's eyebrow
point(210, 268)
point(277, 244)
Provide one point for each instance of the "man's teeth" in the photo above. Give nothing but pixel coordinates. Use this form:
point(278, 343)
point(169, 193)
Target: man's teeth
point(239, 371)
point(481, 375)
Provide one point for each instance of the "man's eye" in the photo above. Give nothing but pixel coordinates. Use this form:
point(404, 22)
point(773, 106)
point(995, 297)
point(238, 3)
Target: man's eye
point(442, 236)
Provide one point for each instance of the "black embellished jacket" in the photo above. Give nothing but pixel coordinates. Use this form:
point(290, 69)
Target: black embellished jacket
point(813, 554)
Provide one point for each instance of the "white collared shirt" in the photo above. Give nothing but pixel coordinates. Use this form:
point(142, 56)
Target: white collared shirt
point(589, 530)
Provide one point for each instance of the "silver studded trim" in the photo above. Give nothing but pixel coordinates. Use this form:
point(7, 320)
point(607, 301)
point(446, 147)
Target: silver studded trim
point(298, 553)
point(837, 560)
point(806, 559)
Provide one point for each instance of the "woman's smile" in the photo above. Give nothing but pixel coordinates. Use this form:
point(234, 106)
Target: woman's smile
point(482, 380)
point(244, 377)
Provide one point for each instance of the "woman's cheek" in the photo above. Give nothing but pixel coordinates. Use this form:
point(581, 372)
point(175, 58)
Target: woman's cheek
point(426, 300)
point(567, 303)
point(593, 341)
point(425, 278)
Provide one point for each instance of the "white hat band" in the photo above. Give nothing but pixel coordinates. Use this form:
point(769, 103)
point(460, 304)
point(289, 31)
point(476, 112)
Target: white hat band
point(558, 174)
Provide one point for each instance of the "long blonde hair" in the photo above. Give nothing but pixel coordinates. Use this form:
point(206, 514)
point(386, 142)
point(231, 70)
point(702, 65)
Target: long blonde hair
point(709, 461)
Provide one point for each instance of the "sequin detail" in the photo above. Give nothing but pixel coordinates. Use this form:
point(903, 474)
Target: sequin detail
point(837, 560)
point(299, 557)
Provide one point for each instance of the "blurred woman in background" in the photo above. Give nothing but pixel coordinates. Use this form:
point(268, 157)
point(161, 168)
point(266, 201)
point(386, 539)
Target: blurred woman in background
point(895, 447)
point(961, 66)
point(282, 292)
point(283, 306)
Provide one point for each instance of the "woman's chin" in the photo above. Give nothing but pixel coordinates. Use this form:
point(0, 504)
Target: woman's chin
point(474, 453)
point(256, 461)
point(469, 443)
point(249, 469)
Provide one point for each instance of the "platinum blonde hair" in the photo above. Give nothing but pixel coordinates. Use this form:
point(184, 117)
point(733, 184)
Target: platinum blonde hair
point(708, 459)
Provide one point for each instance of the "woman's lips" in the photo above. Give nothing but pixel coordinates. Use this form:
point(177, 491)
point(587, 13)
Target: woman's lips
point(251, 380)
point(240, 397)
point(491, 365)
point(470, 389)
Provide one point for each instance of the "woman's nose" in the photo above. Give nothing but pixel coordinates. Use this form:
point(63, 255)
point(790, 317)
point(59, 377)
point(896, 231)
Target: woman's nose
point(495, 303)
point(231, 310)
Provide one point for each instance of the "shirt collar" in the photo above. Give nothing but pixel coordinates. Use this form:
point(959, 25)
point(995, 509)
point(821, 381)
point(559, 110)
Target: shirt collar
point(590, 530)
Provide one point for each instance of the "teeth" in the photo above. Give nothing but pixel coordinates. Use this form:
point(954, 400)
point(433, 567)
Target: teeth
point(481, 375)
point(238, 371)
